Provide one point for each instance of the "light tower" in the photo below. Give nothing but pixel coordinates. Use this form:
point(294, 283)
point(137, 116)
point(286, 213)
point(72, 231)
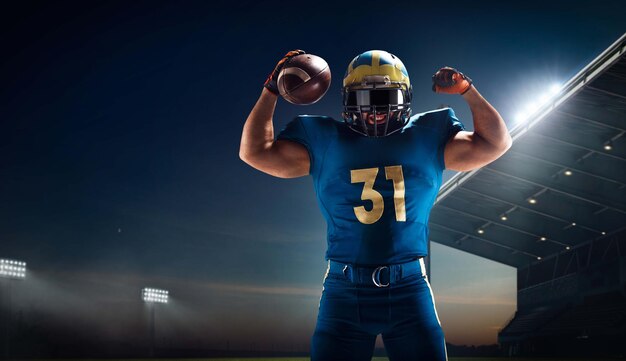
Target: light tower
point(10, 270)
point(152, 296)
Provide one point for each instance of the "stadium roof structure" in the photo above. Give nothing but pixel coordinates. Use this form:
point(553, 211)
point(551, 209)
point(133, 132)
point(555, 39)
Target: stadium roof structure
point(561, 185)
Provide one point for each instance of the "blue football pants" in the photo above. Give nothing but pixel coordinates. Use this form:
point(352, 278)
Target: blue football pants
point(352, 315)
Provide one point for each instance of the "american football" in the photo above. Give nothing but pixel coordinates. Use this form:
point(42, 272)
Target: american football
point(304, 79)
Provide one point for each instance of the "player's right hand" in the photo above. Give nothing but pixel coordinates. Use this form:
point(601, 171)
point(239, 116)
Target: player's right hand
point(271, 82)
point(451, 81)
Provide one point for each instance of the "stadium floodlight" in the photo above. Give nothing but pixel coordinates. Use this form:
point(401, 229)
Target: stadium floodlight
point(154, 295)
point(532, 107)
point(12, 269)
point(555, 89)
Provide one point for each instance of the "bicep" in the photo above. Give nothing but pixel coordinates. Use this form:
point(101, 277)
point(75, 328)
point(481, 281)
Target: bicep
point(284, 159)
point(467, 151)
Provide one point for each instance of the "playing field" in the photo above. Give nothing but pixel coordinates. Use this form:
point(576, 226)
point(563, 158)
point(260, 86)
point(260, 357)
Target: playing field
point(373, 359)
point(386, 359)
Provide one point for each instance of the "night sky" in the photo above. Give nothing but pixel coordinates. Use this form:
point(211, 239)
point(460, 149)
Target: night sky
point(119, 135)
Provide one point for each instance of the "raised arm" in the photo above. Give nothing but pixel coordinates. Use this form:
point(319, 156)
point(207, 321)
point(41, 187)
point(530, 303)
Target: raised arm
point(280, 158)
point(490, 138)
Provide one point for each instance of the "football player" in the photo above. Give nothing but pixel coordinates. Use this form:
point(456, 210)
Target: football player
point(376, 174)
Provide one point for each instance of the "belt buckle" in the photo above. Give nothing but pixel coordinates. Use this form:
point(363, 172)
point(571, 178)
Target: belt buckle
point(376, 276)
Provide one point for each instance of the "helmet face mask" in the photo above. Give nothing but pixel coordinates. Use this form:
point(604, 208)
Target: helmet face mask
point(376, 94)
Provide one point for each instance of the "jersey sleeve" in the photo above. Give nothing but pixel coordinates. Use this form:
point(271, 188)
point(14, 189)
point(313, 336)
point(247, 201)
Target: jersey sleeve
point(310, 131)
point(294, 131)
point(451, 125)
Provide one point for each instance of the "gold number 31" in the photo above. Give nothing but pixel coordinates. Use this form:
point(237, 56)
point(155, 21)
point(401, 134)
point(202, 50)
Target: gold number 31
point(368, 176)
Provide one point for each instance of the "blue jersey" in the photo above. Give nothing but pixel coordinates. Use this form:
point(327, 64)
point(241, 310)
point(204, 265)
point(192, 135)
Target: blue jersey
point(375, 193)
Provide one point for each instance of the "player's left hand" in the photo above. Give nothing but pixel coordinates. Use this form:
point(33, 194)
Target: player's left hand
point(451, 81)
point(272, 79)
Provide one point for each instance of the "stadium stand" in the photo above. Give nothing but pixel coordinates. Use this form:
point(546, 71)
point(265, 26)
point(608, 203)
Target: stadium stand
point(554, 207)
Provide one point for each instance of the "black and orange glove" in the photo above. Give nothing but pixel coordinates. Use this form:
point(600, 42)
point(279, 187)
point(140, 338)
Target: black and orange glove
point(451, 81)
point(271, 82)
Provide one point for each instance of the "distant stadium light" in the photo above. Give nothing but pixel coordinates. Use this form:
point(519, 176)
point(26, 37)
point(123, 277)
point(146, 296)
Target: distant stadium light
point(154, 295)
point(12, 269)
point(542, 239)
point(567, 248)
